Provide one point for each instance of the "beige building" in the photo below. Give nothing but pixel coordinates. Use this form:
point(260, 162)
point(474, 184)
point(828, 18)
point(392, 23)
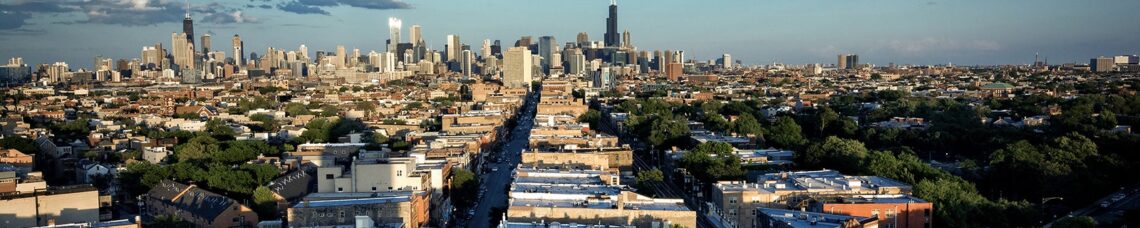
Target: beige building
point(734, 201)
point(518, 67)
point(56, 205)
point(373, 174)
point(588, 197)
point(386, 209)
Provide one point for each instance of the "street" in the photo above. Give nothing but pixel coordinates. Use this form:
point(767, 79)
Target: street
point(495, 182)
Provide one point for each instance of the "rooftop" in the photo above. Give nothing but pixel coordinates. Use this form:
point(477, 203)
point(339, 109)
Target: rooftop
point(807, 219)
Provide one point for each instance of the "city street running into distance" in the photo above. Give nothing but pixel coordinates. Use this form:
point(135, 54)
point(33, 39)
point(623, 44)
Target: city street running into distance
point(496, 182)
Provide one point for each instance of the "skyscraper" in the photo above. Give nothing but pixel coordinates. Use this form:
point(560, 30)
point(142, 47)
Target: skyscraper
point(518, 67)
point(206, 43)
point(1101, 64)
point(625, 39)
point(726, 61)
point(547, 47)
point(416, 35)
point(842, 62)
point(583, 39)
point(394, 27)
point(239, 53)
point(852, 61)
point(454, 47)
point(188, 26)
point(613, 39)
point(183, 51)
point(486, 50)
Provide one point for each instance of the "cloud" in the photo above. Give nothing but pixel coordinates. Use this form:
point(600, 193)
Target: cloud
point(235, 17)
point(118, 12)
point(318, 6)
point(301, 8)
point(13, 19)
point(930, 44)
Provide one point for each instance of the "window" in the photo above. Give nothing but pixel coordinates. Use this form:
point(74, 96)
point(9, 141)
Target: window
point(373, 188)
point(875, 213)
point(328, 176)
point(339, 189)
point(755, 199)
point(399, 173)
point(731, 200)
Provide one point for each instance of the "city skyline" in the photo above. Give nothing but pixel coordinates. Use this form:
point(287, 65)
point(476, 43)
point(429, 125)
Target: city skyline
point(949, 32)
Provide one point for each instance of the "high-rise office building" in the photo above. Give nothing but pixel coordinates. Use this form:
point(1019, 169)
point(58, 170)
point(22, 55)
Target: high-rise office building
point(625, 40)
point(726, 61)
point(182, 50)
point(394, 27)
point(206, 43)
point(341, 57)
point(853, 61)
point(612, 36)
point(188, 26)
point(152, 57)
point(547, 47)
point(841, 63)
point(486, 50)
point(454, 47)
point(304, 50)
point(518, 67)
point(239, 53)
point(577, 61)
point(416, 35)
point(466, 62)
point(1102, 64)
point(583, 39)
point(524, 41)
point(497, 48)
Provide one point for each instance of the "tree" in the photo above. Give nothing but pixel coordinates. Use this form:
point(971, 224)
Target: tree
point(219, 129)
point(785, 133)
point(464, 185)
point(667, 131)
point(593, 117)
point(267, 123)
point(234, 181)
point(712, 161)
point(198, 149)
point(24, 145)
point(845, 155)
point(296, 109)
point(141, 176)
point(262, 173)
point(646, 178)
point(1075, 222)
point(316, 131)
point(238, 152)
point(264, 203)
point(746, 124)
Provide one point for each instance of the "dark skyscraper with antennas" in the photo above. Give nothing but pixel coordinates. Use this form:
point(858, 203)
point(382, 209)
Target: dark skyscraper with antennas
point(613, 38)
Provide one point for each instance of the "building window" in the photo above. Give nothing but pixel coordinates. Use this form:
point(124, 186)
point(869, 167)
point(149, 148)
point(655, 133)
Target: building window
point(339, 189)
point(374, 189)
point(731, 200)
point(399, 173)
point(755, 199)
point(875, 213)
point(328, 176)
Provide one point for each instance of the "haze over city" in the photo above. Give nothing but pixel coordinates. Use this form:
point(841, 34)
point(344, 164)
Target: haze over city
point(569, 114)
point(757, 32)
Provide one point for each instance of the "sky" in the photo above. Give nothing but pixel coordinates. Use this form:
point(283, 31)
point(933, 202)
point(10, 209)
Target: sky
point(962, 32)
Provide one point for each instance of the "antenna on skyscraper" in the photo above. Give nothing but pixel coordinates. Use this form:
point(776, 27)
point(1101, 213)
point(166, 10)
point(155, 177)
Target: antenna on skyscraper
point(613, 2)
point(187, 8)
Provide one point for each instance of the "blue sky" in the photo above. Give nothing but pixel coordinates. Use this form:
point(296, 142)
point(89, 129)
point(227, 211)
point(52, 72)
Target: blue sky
point(754, 31)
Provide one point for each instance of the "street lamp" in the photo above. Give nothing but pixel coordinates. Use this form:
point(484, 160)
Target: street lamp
point(1046, 200)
